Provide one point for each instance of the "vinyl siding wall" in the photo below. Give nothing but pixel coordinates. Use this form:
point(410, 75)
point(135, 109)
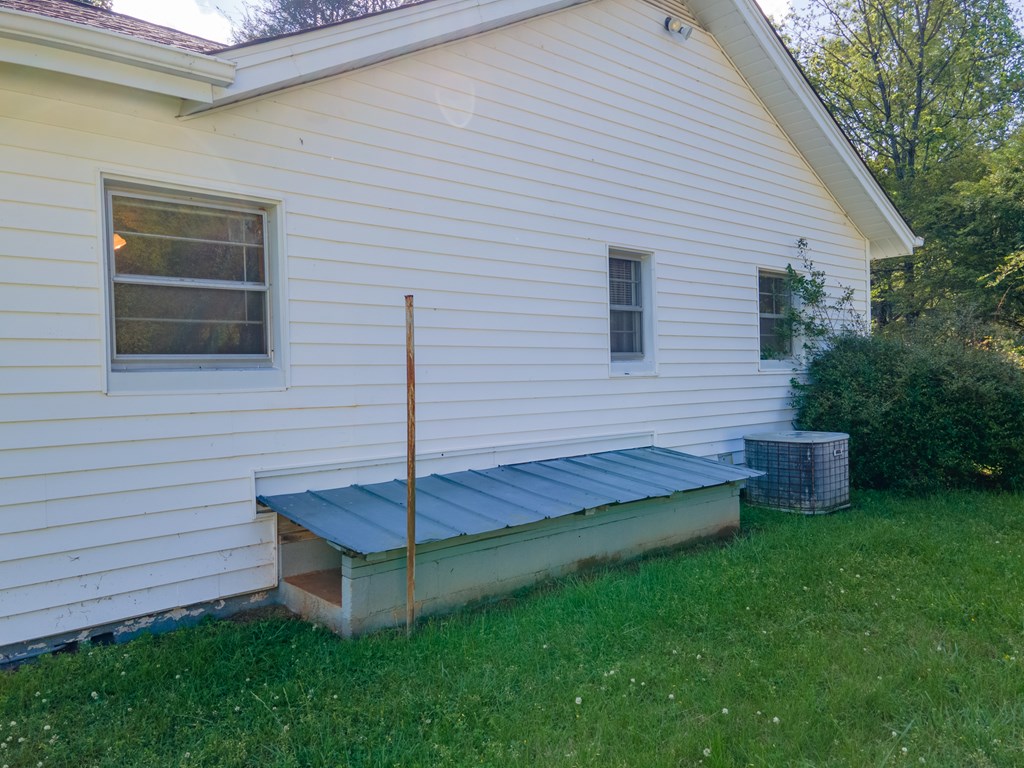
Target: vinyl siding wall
point(488, 178)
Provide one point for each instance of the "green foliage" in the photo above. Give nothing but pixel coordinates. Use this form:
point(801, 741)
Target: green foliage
point(921, 416)
point(268, 18)
point(971, 214)
point(829, 641)
point(913, 82)
point(816, 314)
point(926, 90)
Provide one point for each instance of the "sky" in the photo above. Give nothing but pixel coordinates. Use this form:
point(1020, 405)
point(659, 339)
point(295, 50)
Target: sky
point(206, 18)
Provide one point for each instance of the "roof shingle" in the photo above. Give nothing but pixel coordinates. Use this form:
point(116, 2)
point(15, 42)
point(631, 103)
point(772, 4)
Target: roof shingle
point(89, 15)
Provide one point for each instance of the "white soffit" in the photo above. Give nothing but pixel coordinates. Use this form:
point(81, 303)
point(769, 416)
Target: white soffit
point(61, 46)
point(264, 67)
point(750, 42)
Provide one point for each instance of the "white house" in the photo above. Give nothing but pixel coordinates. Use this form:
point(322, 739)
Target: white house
point(204, 253)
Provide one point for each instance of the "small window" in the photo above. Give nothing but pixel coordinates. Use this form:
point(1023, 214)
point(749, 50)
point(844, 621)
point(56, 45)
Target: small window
point(774, 301)
point(626, 306)
point(631, 313)
point(189, 283)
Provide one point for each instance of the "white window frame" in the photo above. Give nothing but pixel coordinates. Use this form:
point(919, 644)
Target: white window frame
point(780, 363)
point(200, 373)
point(645, 363)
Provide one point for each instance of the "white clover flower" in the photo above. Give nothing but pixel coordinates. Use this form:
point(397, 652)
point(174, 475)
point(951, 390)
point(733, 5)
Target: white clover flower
point(579, 699)
point(903, 750)
point(94, 695)
point(894, 734)
point(725, 710)
point(775, 720)
point(46, 727)
point(707, 751)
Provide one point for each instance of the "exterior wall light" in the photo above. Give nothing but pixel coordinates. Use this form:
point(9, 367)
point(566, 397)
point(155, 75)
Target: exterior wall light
point(677, 26)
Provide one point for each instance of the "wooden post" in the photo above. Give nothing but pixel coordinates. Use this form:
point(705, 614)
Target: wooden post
point(410, 464)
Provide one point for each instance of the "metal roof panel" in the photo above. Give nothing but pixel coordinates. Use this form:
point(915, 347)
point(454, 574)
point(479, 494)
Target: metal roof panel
point(371, 518)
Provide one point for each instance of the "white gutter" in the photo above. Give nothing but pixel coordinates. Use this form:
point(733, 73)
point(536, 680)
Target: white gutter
point(62, 46)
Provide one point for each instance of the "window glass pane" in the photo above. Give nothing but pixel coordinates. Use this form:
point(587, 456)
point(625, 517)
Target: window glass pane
point(182, 219)
point(163, 257)
point(775, 341)
point(173, 239)
point(624, 282)
point(164, 320)
point(773, 304)
point(626, 332)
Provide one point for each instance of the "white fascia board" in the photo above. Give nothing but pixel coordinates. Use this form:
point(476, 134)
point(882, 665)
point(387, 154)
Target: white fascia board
point(293, 60)
point(751, 44)
point(61, 46)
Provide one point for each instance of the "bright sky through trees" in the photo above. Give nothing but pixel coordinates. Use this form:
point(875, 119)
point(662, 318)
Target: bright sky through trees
point(202, 18)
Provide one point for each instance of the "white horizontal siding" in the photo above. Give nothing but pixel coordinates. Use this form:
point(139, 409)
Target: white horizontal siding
point(487, 177)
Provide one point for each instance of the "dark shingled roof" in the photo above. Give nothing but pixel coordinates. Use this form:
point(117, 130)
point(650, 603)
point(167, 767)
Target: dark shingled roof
point(91, 16)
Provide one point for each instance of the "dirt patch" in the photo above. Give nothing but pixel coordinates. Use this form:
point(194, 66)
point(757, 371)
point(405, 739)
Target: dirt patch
point(262, 613)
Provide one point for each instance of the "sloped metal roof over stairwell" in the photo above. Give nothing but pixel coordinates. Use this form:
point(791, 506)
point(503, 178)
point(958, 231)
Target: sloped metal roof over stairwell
point(362, 519)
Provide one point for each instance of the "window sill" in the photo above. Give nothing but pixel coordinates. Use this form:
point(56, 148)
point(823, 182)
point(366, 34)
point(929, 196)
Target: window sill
point(634, 369)
point(171, 382)
point(789, 365)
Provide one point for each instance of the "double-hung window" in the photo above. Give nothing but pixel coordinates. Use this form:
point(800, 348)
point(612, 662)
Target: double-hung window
point(776, 328)
point(631, 312)
point(626, 306)
point(189, 282)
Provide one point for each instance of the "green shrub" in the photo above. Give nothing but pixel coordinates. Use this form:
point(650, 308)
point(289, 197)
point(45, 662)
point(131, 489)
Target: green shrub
point(921, 416)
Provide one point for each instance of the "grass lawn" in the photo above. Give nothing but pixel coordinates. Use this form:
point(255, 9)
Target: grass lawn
point(890, 634)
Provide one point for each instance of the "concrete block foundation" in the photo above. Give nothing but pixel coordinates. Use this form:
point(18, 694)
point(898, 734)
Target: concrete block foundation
point(354, 594)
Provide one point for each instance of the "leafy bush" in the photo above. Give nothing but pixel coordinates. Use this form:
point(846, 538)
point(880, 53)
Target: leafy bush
point(921, 416)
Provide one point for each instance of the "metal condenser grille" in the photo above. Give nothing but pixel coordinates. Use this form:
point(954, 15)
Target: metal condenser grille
point(805, 472)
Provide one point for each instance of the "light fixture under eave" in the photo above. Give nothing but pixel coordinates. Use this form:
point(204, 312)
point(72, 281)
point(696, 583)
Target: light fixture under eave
point(119, 242)
point(678, 27)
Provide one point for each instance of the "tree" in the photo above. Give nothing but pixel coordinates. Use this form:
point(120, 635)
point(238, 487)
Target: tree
point(925, 89)
point(267, 18)
point(913, 83)
point(991, 216)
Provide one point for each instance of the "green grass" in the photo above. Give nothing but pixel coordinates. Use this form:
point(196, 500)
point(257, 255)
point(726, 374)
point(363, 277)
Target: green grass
point(829, 641)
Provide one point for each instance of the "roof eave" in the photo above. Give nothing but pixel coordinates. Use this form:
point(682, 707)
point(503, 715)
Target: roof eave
point(74, 49)
point(751, 43)
point(284, 62)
